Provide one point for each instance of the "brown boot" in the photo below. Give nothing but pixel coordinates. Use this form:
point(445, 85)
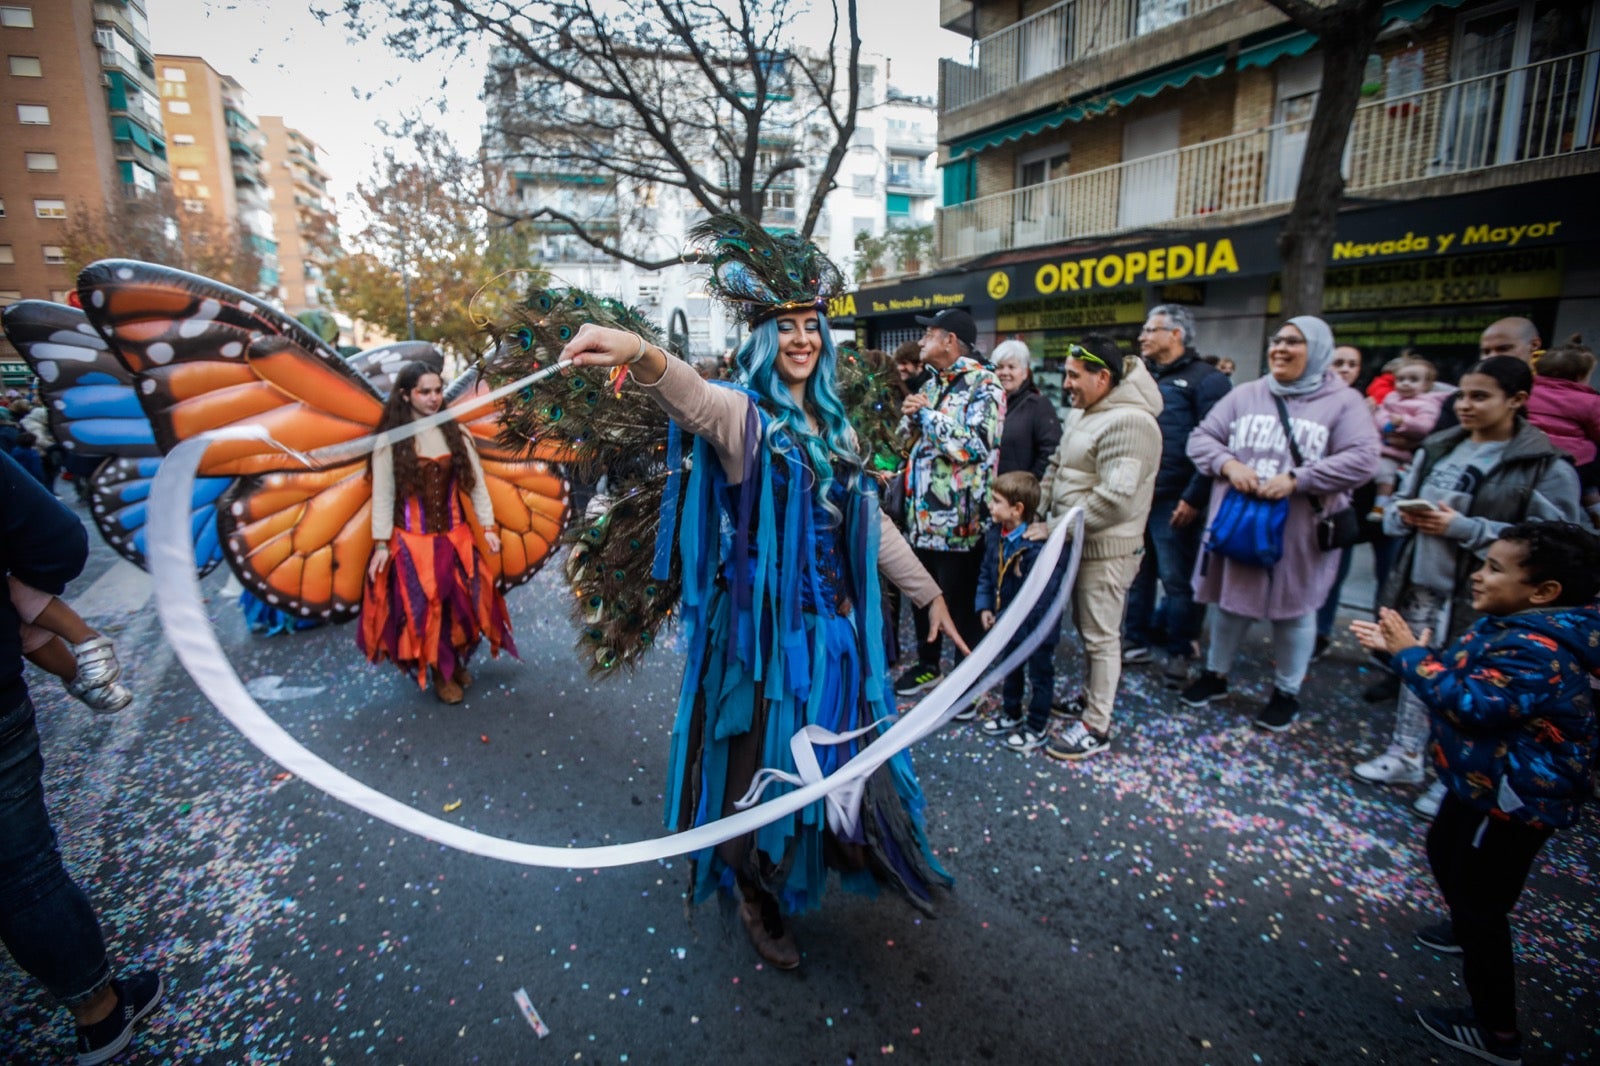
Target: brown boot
point(446, 689)
point(463, 676)
point(777, 947)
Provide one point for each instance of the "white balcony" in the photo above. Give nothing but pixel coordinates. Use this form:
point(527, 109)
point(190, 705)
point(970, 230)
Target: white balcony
point(1054, 38)
point(1543, 111)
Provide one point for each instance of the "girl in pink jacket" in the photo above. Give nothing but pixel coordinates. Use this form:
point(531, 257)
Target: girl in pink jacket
point(1568, 410)
point(1403, 418)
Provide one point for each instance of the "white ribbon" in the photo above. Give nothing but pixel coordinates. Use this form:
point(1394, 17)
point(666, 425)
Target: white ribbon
point(194, 641)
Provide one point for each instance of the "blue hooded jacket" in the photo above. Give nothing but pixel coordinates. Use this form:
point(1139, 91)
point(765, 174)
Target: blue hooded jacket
point(1513, 719)
point(1190, 387)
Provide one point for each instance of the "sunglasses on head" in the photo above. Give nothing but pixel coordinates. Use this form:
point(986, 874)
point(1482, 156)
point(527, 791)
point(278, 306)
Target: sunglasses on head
point(1083, 355)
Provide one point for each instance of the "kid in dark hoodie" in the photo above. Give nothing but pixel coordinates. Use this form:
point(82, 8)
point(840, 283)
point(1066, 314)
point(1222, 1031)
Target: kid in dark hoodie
point(1513, 736)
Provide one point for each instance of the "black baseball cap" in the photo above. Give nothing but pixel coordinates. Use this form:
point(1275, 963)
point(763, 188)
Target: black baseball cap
point(955, 321)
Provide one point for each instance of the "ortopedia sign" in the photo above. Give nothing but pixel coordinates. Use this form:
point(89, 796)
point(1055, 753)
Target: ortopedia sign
point(1111, 270)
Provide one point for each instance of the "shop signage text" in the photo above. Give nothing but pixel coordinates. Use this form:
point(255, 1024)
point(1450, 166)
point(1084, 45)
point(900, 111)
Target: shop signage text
point(1111, 270)
point(1439, 243)
point(920, 303)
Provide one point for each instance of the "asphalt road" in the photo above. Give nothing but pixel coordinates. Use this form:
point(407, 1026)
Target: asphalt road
point(1203, 893)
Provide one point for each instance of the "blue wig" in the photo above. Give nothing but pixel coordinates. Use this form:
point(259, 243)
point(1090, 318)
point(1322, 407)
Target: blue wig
point(758, 362)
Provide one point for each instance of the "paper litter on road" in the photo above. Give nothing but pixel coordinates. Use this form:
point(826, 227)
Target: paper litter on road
point(525, 1005)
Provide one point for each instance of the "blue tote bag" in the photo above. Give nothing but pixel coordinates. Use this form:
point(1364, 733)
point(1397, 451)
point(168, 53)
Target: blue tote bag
point(1248, 529)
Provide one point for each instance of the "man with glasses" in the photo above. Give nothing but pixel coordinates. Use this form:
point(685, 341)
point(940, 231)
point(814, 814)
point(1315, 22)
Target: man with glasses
point(954, 423)
point(1189, 388)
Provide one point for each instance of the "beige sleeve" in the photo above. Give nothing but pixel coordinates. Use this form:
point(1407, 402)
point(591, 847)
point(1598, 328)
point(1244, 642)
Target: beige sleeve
point(715, 414)
point(382, 493)
point(482, 506)
point(898, 563)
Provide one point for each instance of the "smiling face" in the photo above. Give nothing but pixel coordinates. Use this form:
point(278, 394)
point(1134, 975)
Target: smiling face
point(1347, 364)
point(1286, 354)
point(799, 348)
point(1500, 586)
point(1012, 374)
point(1412, 381)
point(426, 395)
point(1484, 408)
point(1085, 384)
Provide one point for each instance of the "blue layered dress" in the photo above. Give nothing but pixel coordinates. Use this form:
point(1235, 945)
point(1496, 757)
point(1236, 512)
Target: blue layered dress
point(781, 614)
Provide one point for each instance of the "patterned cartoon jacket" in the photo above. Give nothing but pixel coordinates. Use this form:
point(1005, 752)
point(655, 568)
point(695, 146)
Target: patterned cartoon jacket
point(1514, 729)
point(954, 457)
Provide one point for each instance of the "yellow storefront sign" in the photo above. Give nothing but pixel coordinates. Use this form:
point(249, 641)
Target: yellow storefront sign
point(1176, 262)
point(1119, 307)
point(1491, 277)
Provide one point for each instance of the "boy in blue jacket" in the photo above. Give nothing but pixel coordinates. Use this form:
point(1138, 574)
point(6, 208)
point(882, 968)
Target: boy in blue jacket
point(1008, 559)
point(1513, 737)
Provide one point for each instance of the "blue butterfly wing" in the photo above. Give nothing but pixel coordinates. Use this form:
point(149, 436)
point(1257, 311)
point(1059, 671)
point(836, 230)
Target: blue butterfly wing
point(119, 503)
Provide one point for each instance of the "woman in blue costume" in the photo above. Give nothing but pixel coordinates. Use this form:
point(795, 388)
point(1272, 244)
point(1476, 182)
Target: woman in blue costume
point(781, 543)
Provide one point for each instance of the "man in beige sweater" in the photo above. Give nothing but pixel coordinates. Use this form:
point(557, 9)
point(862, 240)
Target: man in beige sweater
point(1106, 463)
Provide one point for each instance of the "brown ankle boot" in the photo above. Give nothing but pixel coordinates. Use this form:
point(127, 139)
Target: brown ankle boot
point(778, 947)
point(463, 677)
point(447, 690)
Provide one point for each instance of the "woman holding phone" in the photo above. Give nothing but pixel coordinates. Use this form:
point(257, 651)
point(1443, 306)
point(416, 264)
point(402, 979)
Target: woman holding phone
point(1465, 485)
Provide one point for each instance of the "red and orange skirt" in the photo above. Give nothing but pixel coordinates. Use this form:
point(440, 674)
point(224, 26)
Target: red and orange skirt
point(433, 605)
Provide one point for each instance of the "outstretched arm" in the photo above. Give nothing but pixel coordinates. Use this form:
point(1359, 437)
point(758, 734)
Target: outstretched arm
point(716, 414)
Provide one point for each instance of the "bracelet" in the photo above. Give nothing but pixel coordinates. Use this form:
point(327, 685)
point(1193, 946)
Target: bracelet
point(640, 353)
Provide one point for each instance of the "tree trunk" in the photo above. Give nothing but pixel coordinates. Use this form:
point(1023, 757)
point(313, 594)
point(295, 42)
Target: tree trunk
point(1347, 33)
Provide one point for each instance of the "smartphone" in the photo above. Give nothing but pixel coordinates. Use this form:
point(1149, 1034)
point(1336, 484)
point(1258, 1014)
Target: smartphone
point(1416, 506)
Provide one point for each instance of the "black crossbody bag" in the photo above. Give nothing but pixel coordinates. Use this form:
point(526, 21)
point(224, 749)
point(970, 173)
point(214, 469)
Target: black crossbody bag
point(1336, 530)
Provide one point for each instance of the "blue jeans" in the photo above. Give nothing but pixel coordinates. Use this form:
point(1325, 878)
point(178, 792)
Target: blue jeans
point(46, 921)
point(1169, 556)
point(1038, 671)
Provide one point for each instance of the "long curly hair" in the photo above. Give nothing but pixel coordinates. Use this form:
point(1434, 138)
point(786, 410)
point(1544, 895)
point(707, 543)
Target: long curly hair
point(831, 453)
point(397, 412)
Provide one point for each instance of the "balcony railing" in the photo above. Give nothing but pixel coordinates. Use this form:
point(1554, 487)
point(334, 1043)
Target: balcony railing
point(1050, 40)
point(1527, 113)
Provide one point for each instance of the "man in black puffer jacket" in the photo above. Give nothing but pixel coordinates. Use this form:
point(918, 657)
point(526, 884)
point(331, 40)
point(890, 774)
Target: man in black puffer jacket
point(1189, 387)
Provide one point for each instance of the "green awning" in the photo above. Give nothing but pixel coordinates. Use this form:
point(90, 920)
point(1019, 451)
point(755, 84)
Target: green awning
point(1298, 44)
point(897, 204)
point(960, 181)
point(1172, 78)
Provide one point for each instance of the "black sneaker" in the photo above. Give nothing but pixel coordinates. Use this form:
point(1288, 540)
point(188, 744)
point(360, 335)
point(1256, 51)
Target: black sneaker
point(1205, 688)
point(1077, 741)
point(136, 997)
point(1175, 675)
point(1071, 709)
point(1137, 653)
point(1459, 1028)
point(1001, 725)
point(1279, 712)
point(1439, 938)
point(917, 679)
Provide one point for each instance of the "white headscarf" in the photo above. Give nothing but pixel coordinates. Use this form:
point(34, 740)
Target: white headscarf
point(1319, 353)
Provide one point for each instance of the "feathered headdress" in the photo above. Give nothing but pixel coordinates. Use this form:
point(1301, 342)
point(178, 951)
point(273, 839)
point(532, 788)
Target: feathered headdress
point(759, 275)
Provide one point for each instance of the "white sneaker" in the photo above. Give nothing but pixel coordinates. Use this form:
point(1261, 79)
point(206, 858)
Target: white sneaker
point(1393, 767)
point(1428, 803)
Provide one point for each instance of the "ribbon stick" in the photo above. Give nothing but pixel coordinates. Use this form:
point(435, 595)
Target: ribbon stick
point(194, 641)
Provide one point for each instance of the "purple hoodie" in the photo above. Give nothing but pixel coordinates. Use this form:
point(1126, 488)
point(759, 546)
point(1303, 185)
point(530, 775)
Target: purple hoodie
point(1339, 444)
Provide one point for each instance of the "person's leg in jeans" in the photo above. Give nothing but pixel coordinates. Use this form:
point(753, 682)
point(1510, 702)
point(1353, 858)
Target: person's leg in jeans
point(1330, 606)
point(1176, 550)
point(1227, 634)
point(46, 922)
point(1482, 864)
point(1012, 691)
point(1042, 681)
point(1292, 642)
point(1423, 609)
point(1139, 630)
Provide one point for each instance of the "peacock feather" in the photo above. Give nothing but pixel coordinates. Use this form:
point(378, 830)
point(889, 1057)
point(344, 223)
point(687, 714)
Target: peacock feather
point(869, 386)
point(616, 438)
point(759, 274)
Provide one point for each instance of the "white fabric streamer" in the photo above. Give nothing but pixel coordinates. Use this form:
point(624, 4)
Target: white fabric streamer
point(189, 631)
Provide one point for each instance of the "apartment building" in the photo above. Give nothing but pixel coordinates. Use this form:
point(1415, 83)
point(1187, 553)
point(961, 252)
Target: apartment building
point(1101, 156)
point(302, 214)
point(80, 125)
point(217, 153)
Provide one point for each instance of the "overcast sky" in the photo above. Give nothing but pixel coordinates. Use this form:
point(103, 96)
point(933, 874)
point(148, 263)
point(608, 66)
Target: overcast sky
point(340, 92)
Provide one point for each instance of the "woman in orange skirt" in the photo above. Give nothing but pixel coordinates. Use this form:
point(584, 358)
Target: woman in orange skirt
point(430, 597)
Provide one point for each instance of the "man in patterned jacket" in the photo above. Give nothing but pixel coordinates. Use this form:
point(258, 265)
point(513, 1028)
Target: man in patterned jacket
point(954, 424)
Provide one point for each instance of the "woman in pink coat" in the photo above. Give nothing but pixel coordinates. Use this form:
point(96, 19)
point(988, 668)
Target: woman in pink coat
point(1568, 410)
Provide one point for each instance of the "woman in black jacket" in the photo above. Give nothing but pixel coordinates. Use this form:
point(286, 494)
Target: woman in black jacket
point(1032, 428)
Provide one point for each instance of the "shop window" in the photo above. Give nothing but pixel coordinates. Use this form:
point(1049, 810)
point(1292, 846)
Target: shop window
point(33, 114)
point(16, 18)
point(41, 161)
point(49, 209)
point(25, 66)
point(53, 255)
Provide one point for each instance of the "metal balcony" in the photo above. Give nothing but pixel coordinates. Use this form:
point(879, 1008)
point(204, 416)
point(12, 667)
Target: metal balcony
point(1543, 111)
point(1054, 38)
